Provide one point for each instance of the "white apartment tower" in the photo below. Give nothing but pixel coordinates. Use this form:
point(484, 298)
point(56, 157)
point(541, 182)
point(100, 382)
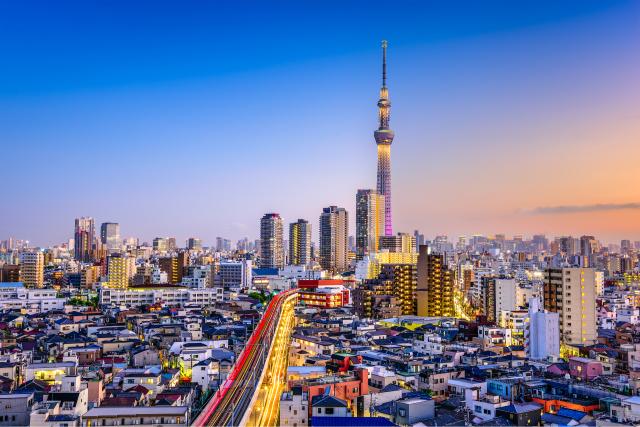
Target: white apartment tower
point(571, 292)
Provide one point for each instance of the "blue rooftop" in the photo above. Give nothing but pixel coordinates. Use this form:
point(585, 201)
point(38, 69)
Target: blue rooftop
point(11, 285)
point(265, 271)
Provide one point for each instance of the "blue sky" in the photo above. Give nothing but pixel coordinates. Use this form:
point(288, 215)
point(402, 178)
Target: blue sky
point(195, 118)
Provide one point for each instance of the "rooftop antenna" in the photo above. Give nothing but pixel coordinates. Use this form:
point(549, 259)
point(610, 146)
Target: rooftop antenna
point(384, 63)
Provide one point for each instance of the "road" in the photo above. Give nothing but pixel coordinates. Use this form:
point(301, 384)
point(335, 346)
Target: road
point(265, 409)
point(228, 406)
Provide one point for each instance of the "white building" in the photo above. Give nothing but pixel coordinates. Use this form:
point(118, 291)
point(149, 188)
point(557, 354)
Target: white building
point(13, 296)
point(506, 296)
point(168, 416)
point(170, 295)
point(235, 273)
point(293, 408)
point(542, 334)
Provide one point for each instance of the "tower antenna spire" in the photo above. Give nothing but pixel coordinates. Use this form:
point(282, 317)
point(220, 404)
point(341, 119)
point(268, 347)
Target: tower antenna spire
point(384, 63)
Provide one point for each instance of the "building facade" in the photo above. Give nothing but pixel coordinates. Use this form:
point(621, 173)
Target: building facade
point(271, 244)
point(32, 269)
point(369, 221)
point(334, 234)
point(110, 235)
point(435, 285)
point(299, 242)
point(571, 292)
point(83, 238)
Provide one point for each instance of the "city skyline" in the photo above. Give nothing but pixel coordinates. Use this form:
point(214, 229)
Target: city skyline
point(501, 130)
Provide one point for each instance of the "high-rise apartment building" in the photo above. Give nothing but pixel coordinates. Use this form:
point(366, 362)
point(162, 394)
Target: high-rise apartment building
point(174, 266)
point(401, 242)
point(334, 232)
point(110, 235)
point(32, 269)
point(384, 137)
point(435, 285)
point(391, 294)
point(571, 292)
point(300, 242)
point(497, 295)
point(369, 221)
point(120, 270)
point(83, 237)
point(271, 241)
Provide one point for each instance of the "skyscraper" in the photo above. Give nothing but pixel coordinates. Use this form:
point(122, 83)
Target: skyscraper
point(334, 232)
point(84, 235)
point(299, 242)
point(32, 269)
point(384, 138)
point(369, 221)
point(271, 249)
point(110, 235)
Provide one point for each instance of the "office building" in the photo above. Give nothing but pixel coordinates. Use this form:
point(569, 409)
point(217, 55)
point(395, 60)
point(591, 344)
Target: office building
point(369, 221)
point(32, 269)
point(300, 242)
point(571, 292)
point(110, 235)
point(194, 244)
point(160, 244)
point(384, 137)
point(271, 241)
point(83, 238)
point(334, 232)
point(235, 273)
point(435, 285)
point(224, 245)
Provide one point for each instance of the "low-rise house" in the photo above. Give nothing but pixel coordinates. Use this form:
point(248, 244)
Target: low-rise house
point(328, 406)
point(15, 409)
point(412, 410)
point(584, 369)
point(294, 410)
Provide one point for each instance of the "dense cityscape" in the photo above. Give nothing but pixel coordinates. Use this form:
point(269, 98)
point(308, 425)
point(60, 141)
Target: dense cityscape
point(377, 328)
point(303, 320)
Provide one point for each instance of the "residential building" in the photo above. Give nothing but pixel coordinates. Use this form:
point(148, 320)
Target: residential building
point(571, 293)
point(271, 241)
point(32, 269)
point(300, 242)
point(334, 232)
point(435, 285)
point(369, 221)
point(542, 332)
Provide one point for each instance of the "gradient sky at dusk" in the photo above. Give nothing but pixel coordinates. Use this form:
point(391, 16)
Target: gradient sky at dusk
point(195, 118)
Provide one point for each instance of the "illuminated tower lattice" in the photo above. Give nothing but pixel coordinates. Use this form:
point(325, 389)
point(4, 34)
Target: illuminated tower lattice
point(384, 138)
